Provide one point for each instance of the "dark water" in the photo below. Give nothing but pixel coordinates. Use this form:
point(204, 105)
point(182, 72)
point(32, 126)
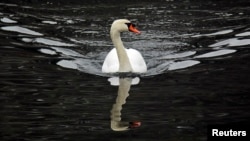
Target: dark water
point(52, 87)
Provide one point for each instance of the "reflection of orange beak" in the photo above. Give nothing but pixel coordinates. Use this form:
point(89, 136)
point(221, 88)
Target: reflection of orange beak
point(133, 29)
point(134, 124)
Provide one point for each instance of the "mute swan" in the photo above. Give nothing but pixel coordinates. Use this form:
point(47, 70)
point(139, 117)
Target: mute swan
point(121, 59)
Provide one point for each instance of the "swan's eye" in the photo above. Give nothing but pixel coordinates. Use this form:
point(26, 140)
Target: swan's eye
point(130, 24)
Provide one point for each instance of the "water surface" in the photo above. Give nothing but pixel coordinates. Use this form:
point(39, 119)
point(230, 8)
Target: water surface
point(52, 87)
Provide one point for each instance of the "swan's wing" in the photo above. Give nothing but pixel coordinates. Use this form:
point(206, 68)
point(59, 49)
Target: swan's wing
point(111, 63)
point(136, 60)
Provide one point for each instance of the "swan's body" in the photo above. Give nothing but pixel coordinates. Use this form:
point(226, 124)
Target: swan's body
point(137, 63)
point(121, 59)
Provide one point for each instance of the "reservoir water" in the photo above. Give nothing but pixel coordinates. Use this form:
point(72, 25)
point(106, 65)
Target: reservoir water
point(52, 87)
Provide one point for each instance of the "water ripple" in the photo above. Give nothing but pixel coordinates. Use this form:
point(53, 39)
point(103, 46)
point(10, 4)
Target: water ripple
point(7, 20)
point(20, 29)
point(232, 42)
point(216, 53)
point(46, 42)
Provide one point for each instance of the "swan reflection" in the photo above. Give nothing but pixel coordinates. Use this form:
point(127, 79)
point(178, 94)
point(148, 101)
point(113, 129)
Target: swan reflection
point(116, 122)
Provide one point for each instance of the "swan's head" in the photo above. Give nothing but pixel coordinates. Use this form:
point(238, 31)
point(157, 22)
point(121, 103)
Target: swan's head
point(123, 25)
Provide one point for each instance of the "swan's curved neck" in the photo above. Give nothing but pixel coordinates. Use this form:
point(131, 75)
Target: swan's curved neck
point(124, 63)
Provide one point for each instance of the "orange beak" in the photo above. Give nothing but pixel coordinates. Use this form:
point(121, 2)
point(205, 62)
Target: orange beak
point(133, 29)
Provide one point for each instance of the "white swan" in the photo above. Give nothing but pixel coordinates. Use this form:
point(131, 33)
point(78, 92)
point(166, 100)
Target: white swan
point(121, 59)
